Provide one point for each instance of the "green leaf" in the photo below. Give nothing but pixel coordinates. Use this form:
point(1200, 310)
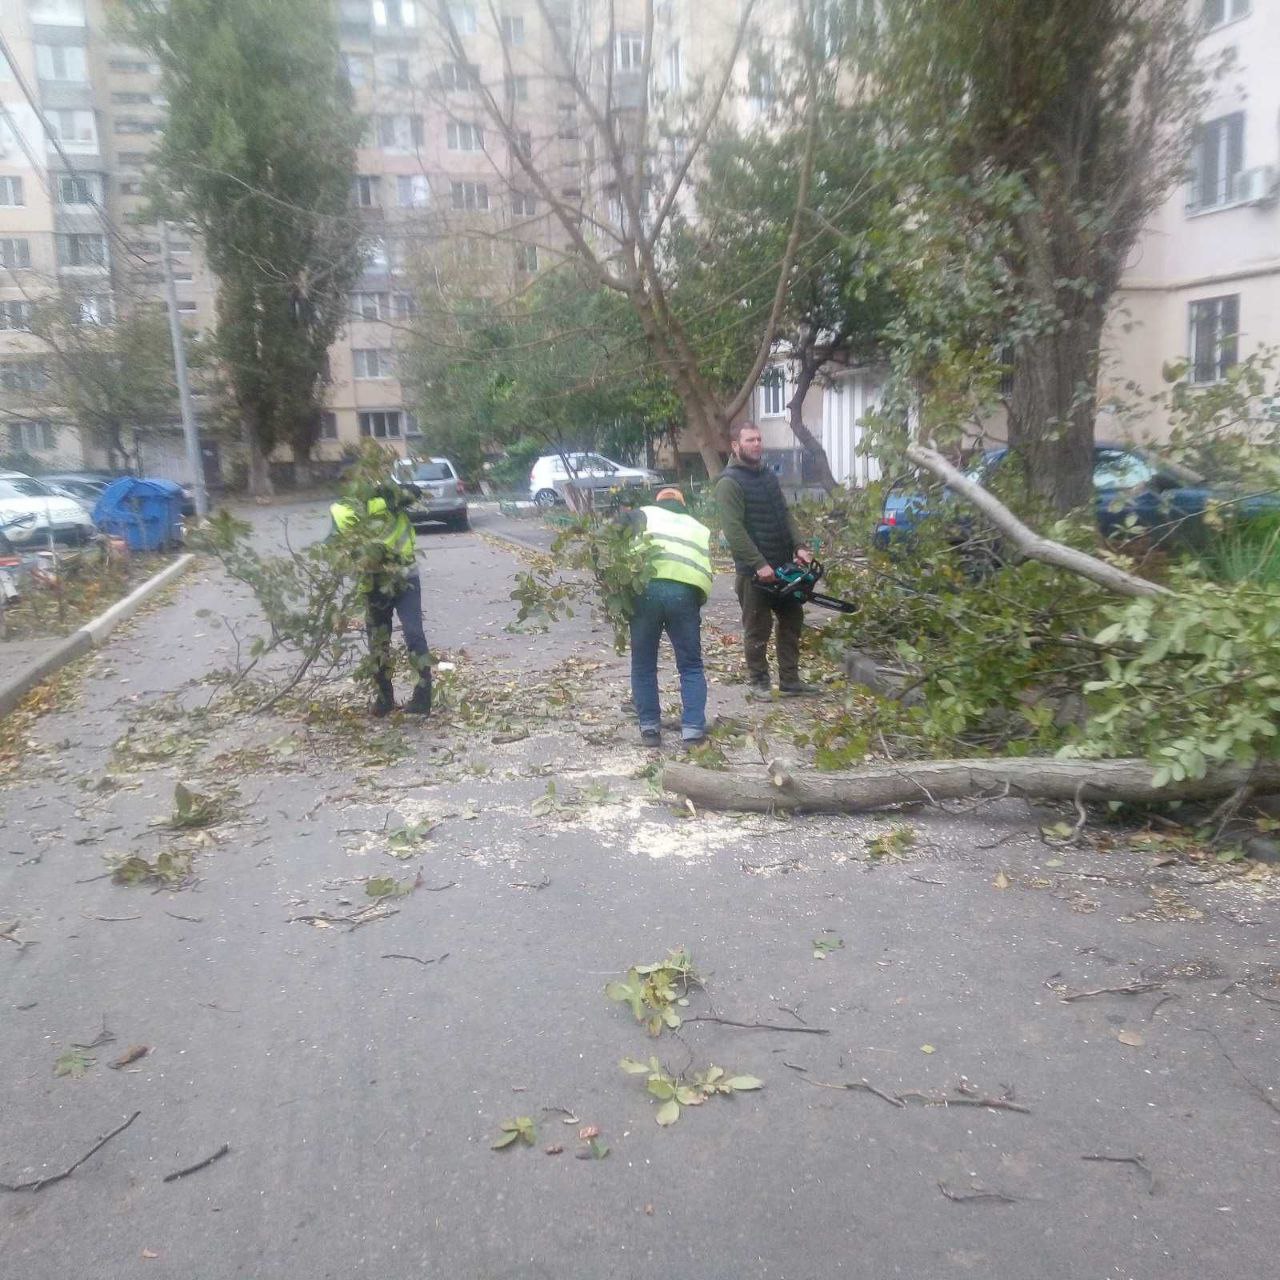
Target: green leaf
point(668, 1113)
point(740, 1084)
point(634, 1068)
point(73, 1063)
point(505, 1139)
point(662, 1088)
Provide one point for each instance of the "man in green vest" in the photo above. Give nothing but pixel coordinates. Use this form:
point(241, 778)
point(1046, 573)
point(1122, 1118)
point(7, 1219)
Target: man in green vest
point(390, 582)
point(671, 602)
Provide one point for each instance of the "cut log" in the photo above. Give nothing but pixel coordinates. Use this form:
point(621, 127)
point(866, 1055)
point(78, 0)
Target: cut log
point(1028, 542)
point(759, 789)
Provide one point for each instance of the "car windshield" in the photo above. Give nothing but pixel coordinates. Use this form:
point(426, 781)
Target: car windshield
point(1119, 469)
point(23, 487)
point(425, 471)
point(598, 463)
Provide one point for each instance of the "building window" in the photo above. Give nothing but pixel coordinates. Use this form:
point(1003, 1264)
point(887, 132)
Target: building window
point(132, 66)
point(469, 197)
point(356, 67)
point(459, 75)
point(400, 132)
point(81, 250)
point(463, 17)
point(11, 192)
point(129, 125)
point(61, 62)
point(518, 88)
point(130, 187)
point(364, 191)
point(404, 306)
point(75, 130)
point(523, 205)
point(1219, 12)
point(381, 424)
point(28, 437)
point(513, 29)
point(58, 13)
point(77, 188)
point(368, 306)
point(1217, 156)
point(394, 14)
point(186, 304)
point(526, 257)
point(95, 309)
point(15, 315)
point(372, 362)
point(675, 67)
point(628, 51)
point(393, 70)
point(328, 426)
point(463, 136)
point(131, 99)
point(1215, 327)
point(522, 144)
point(132, 159)
point(413, 191)
point(773, 393)
point(15, 253)
point(22, 376)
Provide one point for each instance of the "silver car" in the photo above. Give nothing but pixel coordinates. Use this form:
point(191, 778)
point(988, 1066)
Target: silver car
point(31, 511)
point(444, 496)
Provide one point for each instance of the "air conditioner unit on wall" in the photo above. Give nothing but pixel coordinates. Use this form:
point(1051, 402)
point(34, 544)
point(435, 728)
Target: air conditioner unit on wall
point(1256, 186)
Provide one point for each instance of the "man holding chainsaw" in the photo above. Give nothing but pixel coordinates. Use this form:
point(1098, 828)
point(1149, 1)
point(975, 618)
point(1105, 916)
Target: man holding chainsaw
point(761, 536)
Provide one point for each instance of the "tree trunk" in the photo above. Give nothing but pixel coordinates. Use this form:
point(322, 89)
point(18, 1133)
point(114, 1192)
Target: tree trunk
point(1052, 409)
point(761, 790)
point(260, 485)
point(807, 440)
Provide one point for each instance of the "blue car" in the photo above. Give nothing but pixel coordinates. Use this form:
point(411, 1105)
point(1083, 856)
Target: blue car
point(1128, 488)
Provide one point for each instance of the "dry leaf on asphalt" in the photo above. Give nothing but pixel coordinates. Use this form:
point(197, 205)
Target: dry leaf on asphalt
point(1132, 1038)
point(1001, 881)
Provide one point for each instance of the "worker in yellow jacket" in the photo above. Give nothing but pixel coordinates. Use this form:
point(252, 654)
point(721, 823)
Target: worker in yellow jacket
point(390, 581)
point(671, 602)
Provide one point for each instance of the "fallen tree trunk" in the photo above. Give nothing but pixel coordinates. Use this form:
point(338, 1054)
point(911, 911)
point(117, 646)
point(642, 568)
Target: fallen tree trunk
point(780, 786)
point(1028, 542)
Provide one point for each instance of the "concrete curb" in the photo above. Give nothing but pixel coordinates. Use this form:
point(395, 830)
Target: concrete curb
point(513, 540)
point(15, 686)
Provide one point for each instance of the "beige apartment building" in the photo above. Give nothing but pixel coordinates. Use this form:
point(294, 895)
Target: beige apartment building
point(79, 112)
point(1203, 284)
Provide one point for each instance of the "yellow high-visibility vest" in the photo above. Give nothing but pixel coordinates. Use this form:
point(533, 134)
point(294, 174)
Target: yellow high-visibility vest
point(683, 548)
point(398, 539)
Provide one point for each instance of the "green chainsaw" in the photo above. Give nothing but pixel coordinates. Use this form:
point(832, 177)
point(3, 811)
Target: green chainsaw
point(797, 582)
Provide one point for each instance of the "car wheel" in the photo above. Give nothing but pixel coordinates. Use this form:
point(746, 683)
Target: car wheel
point(459, 523)
point(546, 498)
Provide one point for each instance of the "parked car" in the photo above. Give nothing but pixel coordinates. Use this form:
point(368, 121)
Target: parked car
point(87, 487)
point(592, 471)
point(31, 509)
point(1128, 487)
point(444, 496)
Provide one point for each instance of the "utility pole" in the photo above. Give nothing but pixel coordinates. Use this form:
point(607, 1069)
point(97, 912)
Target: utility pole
point(190, 431)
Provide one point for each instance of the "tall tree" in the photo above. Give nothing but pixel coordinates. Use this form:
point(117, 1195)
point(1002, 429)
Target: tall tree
point(259, 155)
point(632, 180)
point(111, 376)
point(1062, 124)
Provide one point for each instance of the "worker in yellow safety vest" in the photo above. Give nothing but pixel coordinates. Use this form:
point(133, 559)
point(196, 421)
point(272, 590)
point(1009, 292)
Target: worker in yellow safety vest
point(671, 602)
point(390, 581)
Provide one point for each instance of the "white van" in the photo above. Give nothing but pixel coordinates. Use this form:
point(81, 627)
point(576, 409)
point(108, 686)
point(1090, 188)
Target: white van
point(548, 478)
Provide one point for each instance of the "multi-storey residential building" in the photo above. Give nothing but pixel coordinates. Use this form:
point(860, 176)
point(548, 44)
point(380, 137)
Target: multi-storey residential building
point(1203, 285)
point(78, 115)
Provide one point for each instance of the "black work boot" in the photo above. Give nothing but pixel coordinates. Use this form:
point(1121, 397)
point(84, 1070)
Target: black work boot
point(384, 702)
point(420, 703)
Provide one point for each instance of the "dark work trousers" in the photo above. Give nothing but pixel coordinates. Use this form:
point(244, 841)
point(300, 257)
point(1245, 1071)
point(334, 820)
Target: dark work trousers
point(407, 606)
point(759, 610)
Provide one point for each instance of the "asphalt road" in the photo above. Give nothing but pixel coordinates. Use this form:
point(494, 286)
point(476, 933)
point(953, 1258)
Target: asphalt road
point(359, 1092)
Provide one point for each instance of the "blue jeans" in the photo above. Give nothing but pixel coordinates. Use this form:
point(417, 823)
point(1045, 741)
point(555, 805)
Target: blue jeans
point(406, 604)
point(676, 608)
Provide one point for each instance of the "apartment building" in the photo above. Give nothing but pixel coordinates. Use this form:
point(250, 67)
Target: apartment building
point(1203, 284)
point(79, 112)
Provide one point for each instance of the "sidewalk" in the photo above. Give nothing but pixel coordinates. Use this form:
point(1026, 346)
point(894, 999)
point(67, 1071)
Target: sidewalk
point(25, 663)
